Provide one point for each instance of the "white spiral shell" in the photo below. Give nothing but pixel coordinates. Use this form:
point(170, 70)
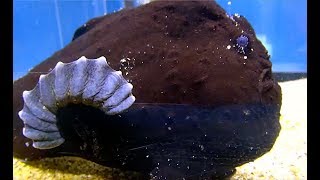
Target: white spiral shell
point(88, 81)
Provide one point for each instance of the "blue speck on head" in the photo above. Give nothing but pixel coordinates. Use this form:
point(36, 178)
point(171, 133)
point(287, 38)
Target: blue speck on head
point(242, 41)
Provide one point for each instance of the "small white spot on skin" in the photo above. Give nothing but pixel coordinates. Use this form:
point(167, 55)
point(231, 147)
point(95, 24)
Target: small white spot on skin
point(245, 57)
point(246, 112)
point(27, 144)
point(228, 47)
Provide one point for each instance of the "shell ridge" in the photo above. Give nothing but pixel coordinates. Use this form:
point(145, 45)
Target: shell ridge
point(31, 120)
point(119, 95)
point(35, 134)
point(93, 85)
point(113, 77)
point(115, 105)
point(124, 105)
point(88, 73)
point(60, 81)
point(63, 74)
point(47, 81)
point(69, 76)
point(78, 78)
point(37, 108)
point(48, 144)
point(104, 78)
point(31, 113)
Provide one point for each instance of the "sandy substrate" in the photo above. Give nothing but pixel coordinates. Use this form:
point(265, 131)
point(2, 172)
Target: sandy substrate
point(286, 160)
point(288, 157)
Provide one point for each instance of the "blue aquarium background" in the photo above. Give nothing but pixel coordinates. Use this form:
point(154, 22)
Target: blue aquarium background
point(42, 27)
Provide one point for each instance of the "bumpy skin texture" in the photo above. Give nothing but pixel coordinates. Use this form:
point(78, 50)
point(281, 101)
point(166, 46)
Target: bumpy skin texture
point(177, 54)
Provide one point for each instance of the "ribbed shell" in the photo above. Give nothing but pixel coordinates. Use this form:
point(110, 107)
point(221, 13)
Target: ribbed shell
point(88, 81)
